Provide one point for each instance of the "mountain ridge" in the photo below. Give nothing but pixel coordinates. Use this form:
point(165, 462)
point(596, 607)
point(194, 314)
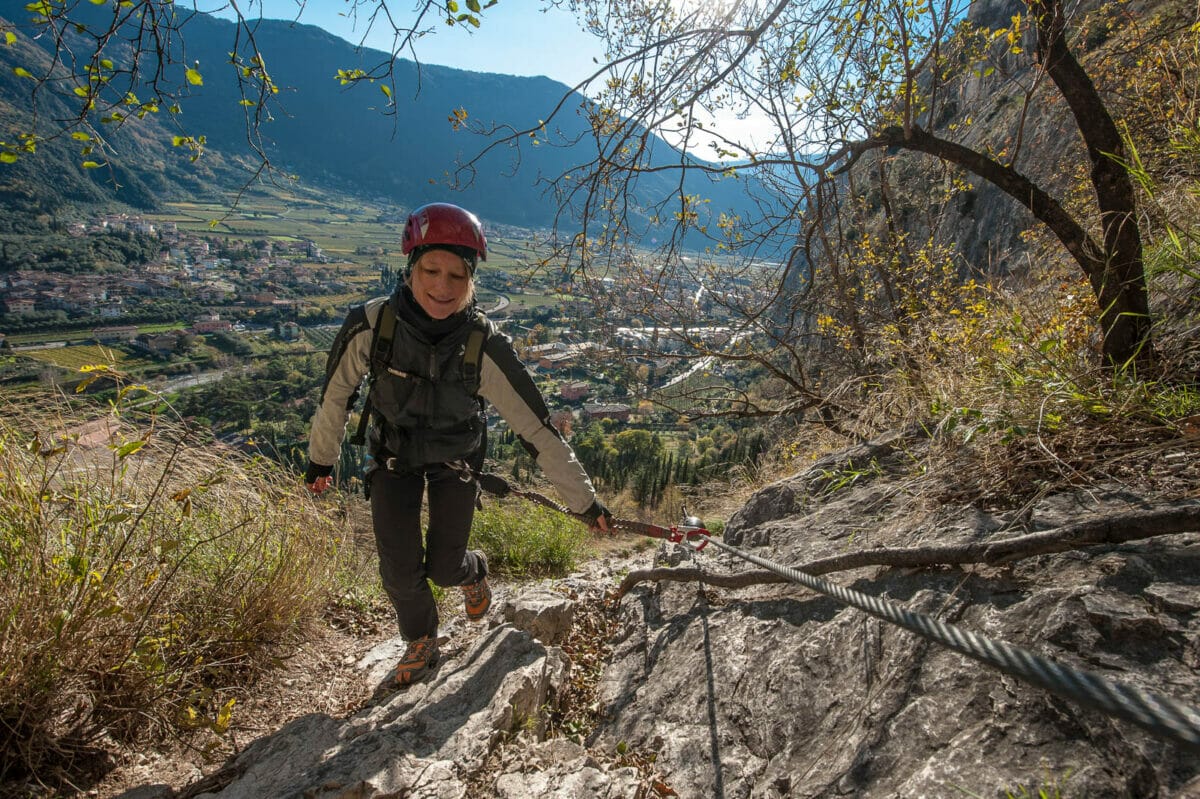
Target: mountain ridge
point(339, 137)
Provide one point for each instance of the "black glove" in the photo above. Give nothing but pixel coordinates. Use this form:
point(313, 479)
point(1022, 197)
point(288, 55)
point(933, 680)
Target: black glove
point(318, 478)
point(596, 511)
point(314, 471)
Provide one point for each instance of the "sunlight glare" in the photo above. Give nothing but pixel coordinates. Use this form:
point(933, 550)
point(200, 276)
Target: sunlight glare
point(708, 7)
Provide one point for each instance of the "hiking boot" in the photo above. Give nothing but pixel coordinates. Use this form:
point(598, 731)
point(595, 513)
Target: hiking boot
point(420, 656)
point(478, 596)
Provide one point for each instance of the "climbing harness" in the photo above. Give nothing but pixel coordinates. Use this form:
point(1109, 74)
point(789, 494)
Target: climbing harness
point(1161, 715)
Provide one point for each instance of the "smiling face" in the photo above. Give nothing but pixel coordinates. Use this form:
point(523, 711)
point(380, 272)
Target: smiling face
point(441, 283)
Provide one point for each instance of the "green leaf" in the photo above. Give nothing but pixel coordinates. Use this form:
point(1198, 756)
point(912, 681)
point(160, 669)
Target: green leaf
point(106, 63)
point(21, 72)
point(127, 449)
point(386, 91)
point(473, 5)
point(194, 77)
point(91, 165)
point(80, 135)
point(9, 37)
point(80, 91)
point(451, 6)
point(244, 101)
point(8, 157)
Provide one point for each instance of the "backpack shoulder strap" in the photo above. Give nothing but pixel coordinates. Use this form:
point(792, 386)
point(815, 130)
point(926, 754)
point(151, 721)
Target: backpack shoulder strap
point(473, 353)
point(381, 352)
point(381, 343)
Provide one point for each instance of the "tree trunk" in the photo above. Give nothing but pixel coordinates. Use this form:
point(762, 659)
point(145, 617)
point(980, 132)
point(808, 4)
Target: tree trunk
point(1120, 285)
point(1114, 266)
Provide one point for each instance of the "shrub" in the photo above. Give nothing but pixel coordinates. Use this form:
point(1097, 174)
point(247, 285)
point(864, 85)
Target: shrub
point(141, 577)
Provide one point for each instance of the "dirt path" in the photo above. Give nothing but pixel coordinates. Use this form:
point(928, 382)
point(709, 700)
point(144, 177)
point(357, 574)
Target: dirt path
point(322, 676)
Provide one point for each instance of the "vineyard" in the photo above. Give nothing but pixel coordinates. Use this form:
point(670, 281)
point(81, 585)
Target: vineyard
point(320, 337)
point(80, 355)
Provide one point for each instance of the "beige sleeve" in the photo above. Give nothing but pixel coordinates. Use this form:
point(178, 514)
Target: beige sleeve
point(516, 398)
point(349, 362)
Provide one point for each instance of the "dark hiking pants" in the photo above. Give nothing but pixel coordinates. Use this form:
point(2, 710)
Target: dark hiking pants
point(406, 564)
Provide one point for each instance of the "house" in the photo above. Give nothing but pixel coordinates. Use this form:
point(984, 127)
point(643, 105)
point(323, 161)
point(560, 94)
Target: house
point(555, 361)
point(575, 390)
point(288, 331)
point(606, 411)
point(20, 305)
point(211, 323)
point(158, 343)
point(537, 351)
point(115, 333)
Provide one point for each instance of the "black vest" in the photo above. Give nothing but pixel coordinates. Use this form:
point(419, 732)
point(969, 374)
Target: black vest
point(425, 409)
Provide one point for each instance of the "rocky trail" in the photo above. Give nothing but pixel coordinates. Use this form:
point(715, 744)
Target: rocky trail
point(680, 688)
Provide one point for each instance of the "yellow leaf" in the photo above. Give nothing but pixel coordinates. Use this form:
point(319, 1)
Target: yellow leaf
point(91, 165)
point(21, 72)
point(194, 77)
point(7, 157)
point(224, 717)
point(9, 37)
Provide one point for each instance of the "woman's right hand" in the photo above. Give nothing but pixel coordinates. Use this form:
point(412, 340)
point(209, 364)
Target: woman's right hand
point(599, 517)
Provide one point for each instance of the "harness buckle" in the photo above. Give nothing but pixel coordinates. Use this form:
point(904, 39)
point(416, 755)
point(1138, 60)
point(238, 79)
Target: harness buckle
point(462, 469)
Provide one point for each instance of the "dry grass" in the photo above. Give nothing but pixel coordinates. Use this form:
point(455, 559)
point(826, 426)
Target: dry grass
point(142, 577)
point(1009, 391)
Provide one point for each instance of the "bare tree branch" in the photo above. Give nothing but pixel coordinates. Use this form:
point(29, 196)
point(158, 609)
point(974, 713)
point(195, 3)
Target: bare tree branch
point(1111, 529)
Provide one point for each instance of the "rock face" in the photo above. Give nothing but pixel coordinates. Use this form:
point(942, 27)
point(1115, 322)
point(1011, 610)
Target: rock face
point(773, 691)
point(423, 742)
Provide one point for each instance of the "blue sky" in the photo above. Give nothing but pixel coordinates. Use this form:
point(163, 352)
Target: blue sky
point(517, 37)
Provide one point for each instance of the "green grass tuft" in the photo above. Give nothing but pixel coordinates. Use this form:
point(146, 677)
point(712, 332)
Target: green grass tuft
point(523, 540)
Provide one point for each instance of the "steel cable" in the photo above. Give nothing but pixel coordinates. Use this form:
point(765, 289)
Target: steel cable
point(1159, 714)
point(1156, 713)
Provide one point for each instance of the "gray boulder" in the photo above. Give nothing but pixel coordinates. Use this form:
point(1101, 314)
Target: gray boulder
point(543, 613)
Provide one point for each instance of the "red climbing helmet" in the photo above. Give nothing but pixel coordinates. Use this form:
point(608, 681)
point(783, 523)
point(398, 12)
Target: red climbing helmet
point(444, 225)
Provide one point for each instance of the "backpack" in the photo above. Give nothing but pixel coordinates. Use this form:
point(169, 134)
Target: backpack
point(381, 352)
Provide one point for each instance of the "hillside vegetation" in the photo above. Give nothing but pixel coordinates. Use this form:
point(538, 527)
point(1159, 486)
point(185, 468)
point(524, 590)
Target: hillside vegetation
point(152, 575)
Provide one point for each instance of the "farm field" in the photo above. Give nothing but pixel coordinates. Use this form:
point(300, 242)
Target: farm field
point(77, 356)
point(340, 230)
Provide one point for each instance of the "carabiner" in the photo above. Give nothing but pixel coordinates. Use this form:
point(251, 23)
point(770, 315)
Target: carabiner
point(684, 533)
